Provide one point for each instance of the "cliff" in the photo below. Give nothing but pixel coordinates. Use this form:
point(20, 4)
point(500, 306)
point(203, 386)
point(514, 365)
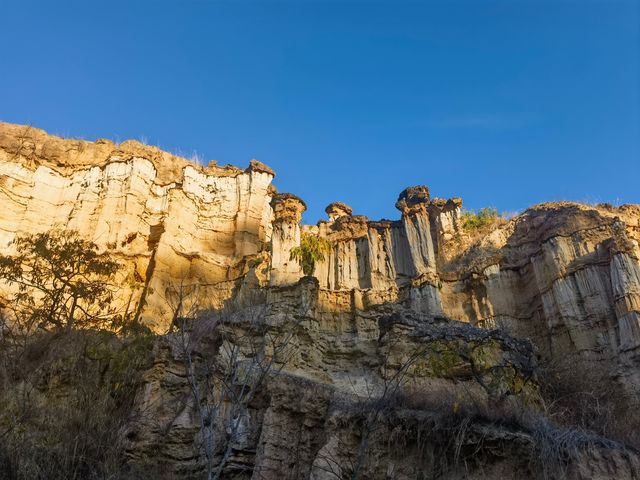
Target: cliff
point(167, 219)
point(468, 315)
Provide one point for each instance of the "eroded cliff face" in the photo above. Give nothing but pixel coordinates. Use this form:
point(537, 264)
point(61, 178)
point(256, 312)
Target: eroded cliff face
point(332, 407)
point(168, 220)
point(564, 277)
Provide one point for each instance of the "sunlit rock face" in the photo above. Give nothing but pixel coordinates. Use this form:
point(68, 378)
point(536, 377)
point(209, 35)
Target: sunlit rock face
point(287, 214)
point(168, 220)
point(564, 275)
point(378, 255)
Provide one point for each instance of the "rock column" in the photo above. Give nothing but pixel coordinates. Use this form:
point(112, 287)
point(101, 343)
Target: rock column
point(413, 203)
point(445, 221)
point(287, 214)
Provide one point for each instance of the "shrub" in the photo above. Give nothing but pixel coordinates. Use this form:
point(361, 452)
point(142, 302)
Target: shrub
point(453, 431)
point(575, 398)
point(312, 249)
point(483, 218)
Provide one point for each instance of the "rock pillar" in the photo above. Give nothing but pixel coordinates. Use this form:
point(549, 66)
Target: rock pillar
point(413, 202)
point(287, 214)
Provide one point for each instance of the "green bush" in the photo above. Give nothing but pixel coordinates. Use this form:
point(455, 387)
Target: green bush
point(61, 281)
point(312, 249)
point(484, 217)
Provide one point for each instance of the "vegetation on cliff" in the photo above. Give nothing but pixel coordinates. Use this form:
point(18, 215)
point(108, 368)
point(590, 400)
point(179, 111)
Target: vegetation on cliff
point(481, 219)
point(61, 280)
point(312, 249)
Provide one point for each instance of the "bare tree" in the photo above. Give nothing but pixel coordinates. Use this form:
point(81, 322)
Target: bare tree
point(439, 354)
point(369, 411)
point(228, 355)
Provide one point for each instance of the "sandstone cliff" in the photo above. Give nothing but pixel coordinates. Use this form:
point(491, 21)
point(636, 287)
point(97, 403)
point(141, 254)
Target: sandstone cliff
point(469, 312)
point(168, 219)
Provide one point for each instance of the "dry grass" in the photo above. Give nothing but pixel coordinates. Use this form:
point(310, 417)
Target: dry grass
point(66, 408)
point(451, 433)
point(576, 397)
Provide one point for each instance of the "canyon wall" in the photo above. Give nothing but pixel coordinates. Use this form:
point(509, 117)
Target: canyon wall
point(564, 276)
point(169, 221)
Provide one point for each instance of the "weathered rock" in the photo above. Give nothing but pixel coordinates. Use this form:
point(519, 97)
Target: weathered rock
point(565, 276)
point(338, 209)
point(311, 417)
point(164, 217)
point(287, 214)
point(413, 199)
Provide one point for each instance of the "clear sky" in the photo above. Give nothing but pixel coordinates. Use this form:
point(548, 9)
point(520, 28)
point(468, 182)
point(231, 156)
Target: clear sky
point(504, 103)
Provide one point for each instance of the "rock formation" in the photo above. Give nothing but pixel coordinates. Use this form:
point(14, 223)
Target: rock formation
point(563, 276)
point(287, 214)
point(168, 219)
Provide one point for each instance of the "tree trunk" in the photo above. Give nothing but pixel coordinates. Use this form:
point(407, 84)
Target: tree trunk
point(70, 320)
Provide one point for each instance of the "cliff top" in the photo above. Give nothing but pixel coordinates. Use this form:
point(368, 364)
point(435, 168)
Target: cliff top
point(38, 147)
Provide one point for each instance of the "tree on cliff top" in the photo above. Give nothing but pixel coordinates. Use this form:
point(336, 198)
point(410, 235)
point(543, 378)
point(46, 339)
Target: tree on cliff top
point(312, 249)
point(61, 280)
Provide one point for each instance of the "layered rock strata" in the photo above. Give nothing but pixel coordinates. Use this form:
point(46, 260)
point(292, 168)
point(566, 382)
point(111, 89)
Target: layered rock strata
point(565, 276)
point(339, 385)
point(168, 220)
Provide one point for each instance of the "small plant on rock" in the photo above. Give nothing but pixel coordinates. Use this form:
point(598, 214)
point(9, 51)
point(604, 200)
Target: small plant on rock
point(484, 217)
point(312, 249)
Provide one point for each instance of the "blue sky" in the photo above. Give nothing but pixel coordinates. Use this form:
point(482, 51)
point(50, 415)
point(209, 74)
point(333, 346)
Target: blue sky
point(504, 103)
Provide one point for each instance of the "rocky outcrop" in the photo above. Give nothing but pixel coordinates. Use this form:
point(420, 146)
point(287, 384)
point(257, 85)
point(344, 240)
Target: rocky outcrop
point(337, 210)
point(167, 219)
point(385, 378)
point(564, 276)
point(287, 214)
